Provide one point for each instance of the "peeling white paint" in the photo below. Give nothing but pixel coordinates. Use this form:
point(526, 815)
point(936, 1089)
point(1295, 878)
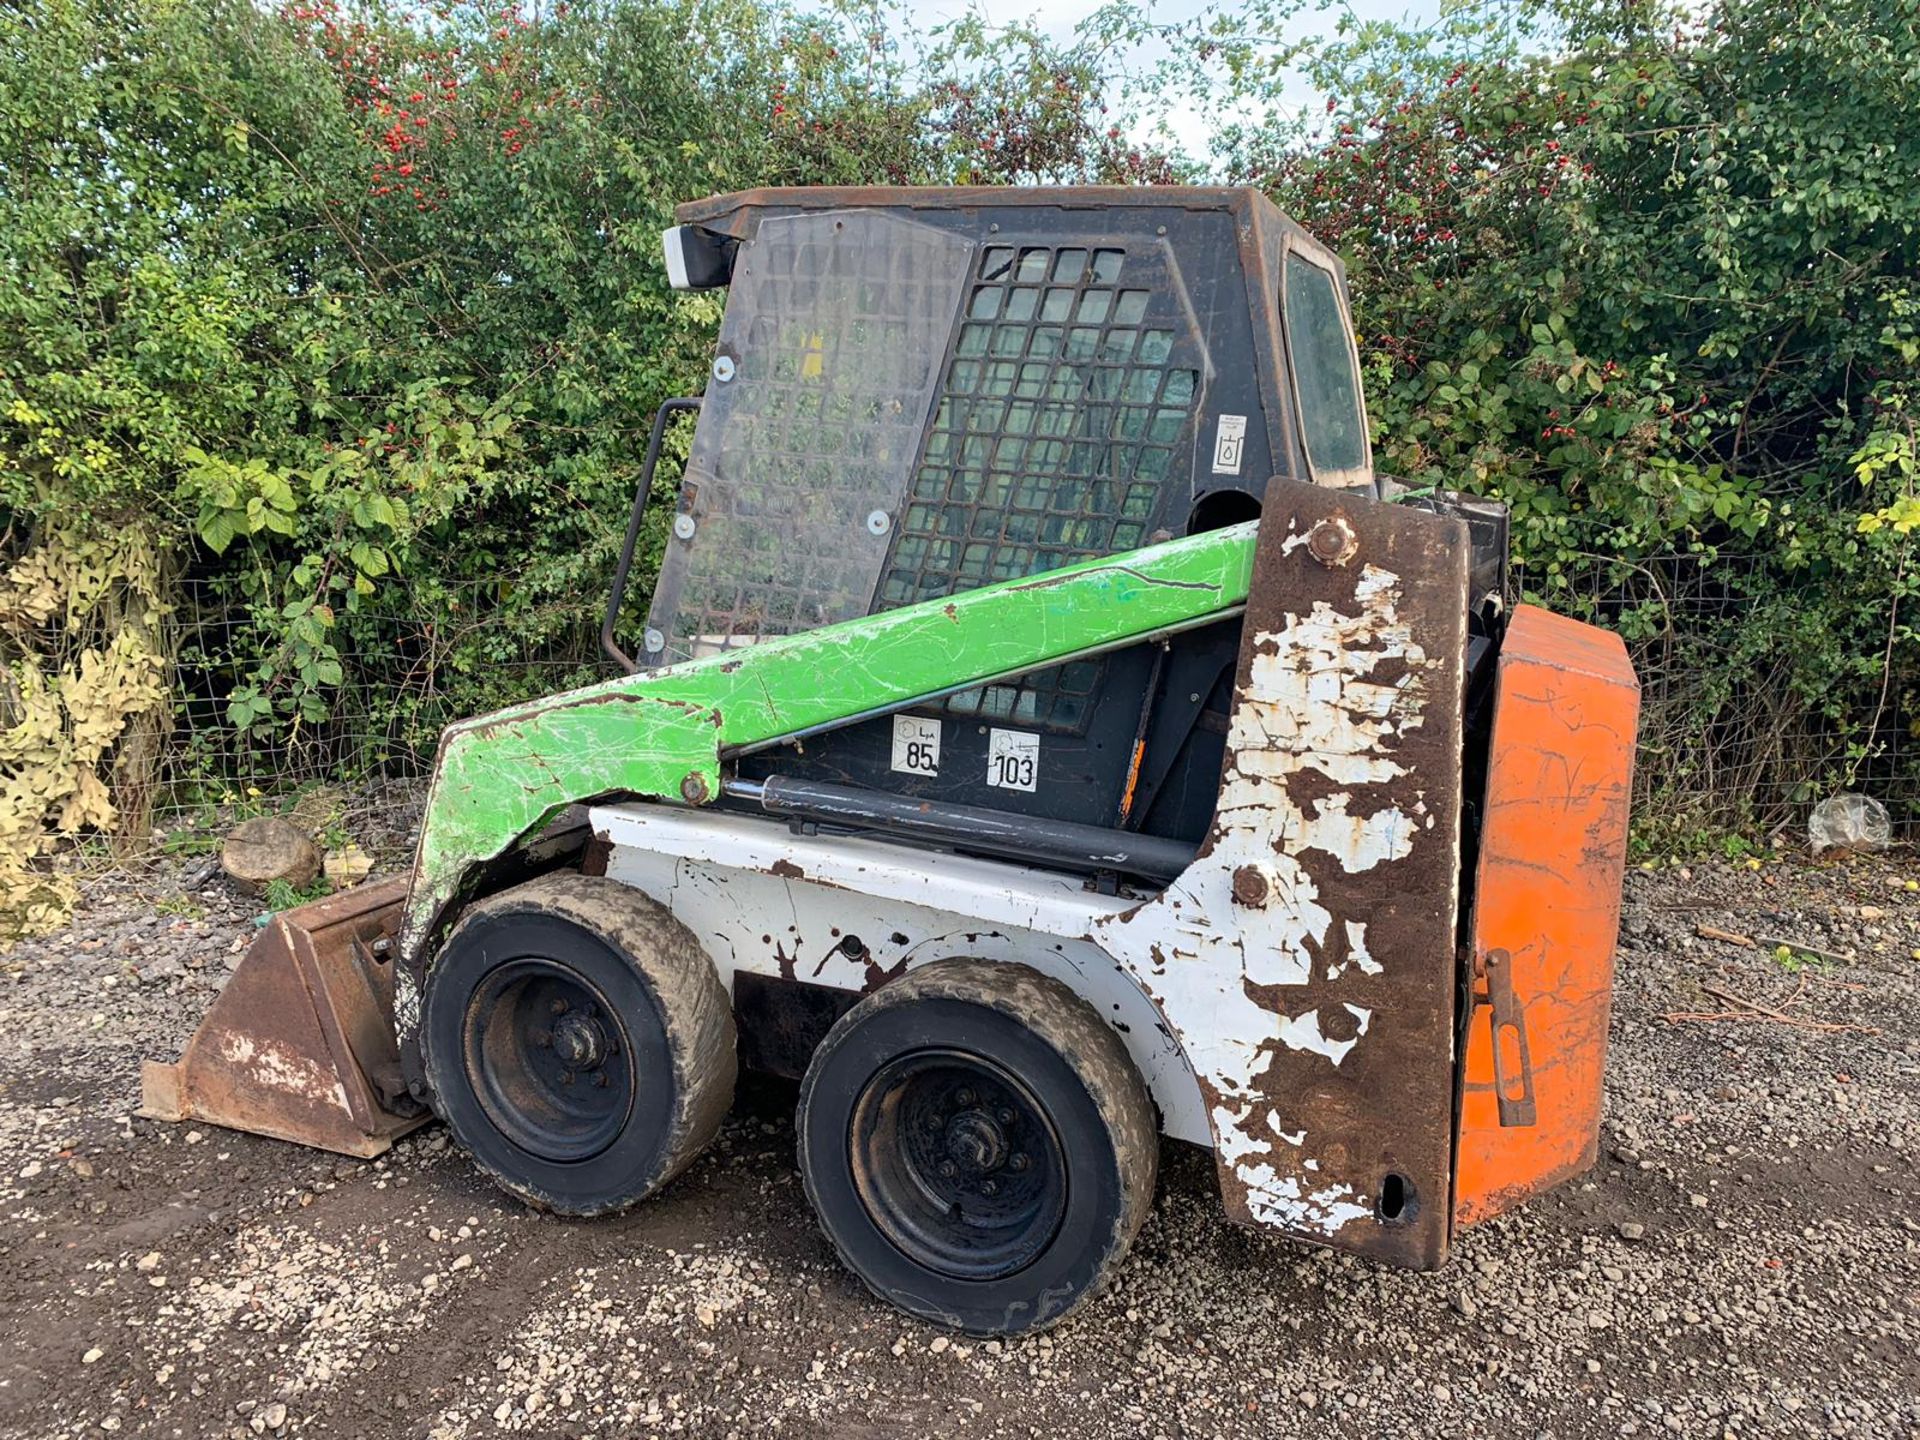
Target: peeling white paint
point(714, 871)
point(1311, 707)
point(1283, 1201)
point(1358, 955)
point(1359, 842)
point(279, 1068)
point(1303, 1032)
point(1294, 1137)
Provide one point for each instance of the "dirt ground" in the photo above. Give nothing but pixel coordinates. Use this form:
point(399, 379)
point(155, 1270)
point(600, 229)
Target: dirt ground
point(1745, 1260)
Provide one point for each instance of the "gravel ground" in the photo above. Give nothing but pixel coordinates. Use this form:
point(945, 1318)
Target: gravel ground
point(1745, 1261)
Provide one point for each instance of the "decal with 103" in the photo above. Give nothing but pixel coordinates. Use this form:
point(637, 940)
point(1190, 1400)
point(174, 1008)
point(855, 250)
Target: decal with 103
point(1013, 760)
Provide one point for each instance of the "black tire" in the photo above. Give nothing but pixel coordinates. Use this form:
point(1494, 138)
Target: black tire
point(977, 1146)
point(578, 1042)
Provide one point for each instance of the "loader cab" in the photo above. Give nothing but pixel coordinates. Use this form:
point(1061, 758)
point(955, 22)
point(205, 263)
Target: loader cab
point(918, 392)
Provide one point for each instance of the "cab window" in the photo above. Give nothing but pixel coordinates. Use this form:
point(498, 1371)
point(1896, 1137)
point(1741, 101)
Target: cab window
point(1331, 419)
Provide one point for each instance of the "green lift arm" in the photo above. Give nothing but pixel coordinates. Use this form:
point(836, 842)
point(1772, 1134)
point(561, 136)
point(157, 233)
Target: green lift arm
point(660, 735)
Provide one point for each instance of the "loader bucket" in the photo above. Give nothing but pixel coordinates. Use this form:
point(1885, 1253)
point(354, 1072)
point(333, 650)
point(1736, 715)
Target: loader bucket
point(300, 1045)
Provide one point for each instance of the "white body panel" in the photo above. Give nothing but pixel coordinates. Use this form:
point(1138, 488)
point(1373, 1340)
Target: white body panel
point(765, 900)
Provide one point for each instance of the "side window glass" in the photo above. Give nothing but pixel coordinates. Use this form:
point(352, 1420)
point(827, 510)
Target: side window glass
point(1330, 413)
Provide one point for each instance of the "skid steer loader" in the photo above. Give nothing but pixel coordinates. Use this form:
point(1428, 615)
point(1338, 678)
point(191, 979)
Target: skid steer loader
point(1048, 734)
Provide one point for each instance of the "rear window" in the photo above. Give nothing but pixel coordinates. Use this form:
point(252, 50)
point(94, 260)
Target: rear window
point(1330, 414)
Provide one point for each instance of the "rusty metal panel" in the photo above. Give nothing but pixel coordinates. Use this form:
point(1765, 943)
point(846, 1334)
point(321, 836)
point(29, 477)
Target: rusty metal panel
point(1306, 961)
point(1546, 911)
point(300, 1045)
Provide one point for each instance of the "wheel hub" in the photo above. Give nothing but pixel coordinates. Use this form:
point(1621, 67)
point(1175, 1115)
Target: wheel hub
point(976, 1141)
point(547, 1061)
point(957, 1164)
point(579, 1041)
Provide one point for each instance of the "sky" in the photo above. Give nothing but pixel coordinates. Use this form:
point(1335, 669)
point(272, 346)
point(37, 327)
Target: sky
point(1057, 18)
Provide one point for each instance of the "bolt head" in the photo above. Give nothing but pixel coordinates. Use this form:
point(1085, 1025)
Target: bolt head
point(566, 1077)
point(723, 369)
point(949, 1169)
point(964, 1097)
point(693, 788)
point(1332, 542)
point(1004, 1115)
point(989, 1187)
point(1019, 1161)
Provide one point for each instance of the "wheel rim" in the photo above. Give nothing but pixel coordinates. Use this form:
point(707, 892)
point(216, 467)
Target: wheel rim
point(548, 1059)
point(957, 1164)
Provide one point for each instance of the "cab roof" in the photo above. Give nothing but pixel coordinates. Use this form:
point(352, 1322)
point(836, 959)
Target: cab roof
point(738, 212)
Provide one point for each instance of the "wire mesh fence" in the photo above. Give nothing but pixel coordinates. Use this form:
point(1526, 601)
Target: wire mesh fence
point(1730, 736)
point(404, 678)
point(1725, 740)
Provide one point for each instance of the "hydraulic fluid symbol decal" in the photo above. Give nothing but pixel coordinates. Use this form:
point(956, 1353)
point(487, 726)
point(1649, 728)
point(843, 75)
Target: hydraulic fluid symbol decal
point(1228, 440)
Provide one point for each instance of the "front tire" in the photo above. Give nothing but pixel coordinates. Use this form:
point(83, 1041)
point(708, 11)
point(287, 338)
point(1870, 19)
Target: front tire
point(978, 1146)
point(578, 1043)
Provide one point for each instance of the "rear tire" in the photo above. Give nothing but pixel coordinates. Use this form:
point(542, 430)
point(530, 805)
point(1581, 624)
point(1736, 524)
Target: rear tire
point(578, 1043)
point(978, 1146)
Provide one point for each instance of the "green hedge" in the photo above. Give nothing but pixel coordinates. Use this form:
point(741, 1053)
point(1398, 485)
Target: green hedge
point(359, 314)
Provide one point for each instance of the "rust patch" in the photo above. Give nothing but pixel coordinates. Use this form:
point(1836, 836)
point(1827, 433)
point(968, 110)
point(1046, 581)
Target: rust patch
point(300, 1045)
point(789, 964)
point(786, 870)
point(1319, 1023)
point(593, 859)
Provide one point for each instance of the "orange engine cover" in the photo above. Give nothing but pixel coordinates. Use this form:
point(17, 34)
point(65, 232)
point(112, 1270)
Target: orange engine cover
point(1553, 848)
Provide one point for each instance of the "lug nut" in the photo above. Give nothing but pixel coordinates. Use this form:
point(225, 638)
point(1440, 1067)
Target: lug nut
point(558, 1007)
point(949, 1169)
point(936, 1122)
point(600, 1080)
point(989, 1187)
point(543, 1039)
point(965, 1097)
point(566, 1077)
point(1018, 1162)
point(1004, 1115)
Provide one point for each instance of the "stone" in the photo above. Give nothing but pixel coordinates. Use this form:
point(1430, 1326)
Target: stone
point(259, 851)
point(347, 866)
